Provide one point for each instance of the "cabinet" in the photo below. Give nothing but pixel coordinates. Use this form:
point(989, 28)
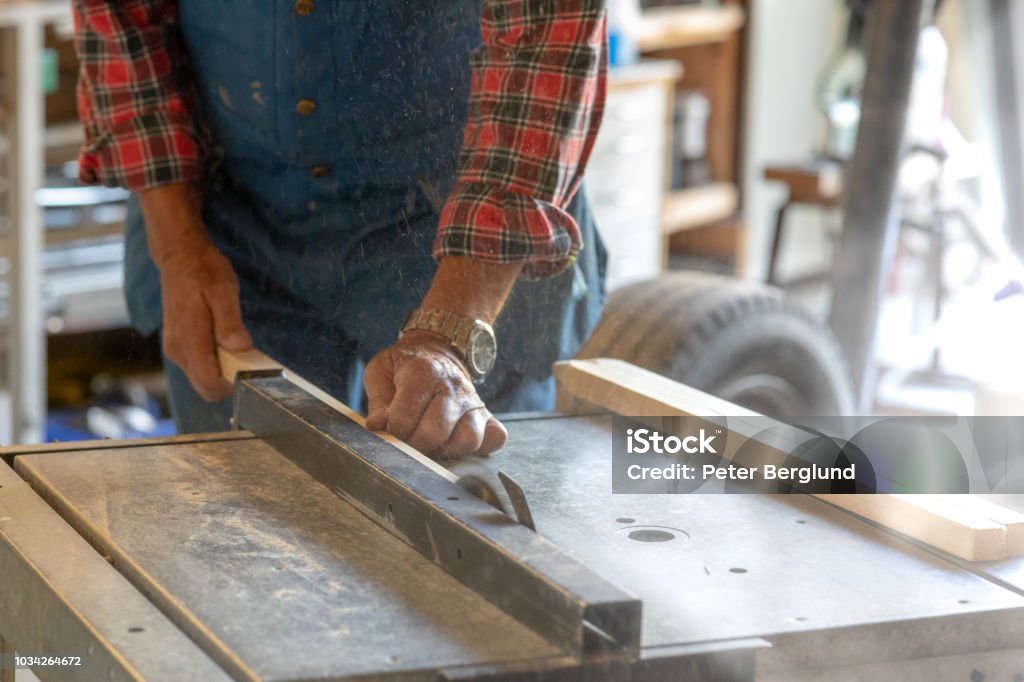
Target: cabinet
point(627, 176)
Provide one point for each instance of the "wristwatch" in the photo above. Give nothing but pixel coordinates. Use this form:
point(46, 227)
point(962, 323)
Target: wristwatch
point(473, 340)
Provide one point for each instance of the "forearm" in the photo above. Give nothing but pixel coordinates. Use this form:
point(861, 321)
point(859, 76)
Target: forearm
point(174, 225)
point(472, 288)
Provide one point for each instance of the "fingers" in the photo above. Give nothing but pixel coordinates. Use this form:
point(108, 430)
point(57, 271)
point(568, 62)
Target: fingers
point(477, 432)
point(406, 411)
point(495, 436)
point(190, 344)
point(467, 437)
point(378, 380)
point(436, 426)
point(228, 328)
point(203, 368)
point(202, 309)
point(417, 380)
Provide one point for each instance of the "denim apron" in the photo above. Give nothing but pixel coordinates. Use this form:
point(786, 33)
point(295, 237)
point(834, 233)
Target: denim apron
point(337, 127)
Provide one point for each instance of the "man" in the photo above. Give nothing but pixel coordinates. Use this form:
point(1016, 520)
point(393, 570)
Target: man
point(291, 161)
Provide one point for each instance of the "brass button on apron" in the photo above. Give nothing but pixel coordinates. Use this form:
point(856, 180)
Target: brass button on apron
point(305, 107)
point(304, 7)
point(320, 171)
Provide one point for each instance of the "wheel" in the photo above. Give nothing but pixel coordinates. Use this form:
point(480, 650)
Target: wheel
point(743, 342)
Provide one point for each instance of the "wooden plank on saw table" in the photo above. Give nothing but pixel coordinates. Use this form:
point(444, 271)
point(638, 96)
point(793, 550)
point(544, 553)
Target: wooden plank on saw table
point(932, 520)
point(632, 391)
point(1012, 519)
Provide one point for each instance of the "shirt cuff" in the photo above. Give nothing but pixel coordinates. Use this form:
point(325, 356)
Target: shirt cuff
point(145, 151)
point(494, 225)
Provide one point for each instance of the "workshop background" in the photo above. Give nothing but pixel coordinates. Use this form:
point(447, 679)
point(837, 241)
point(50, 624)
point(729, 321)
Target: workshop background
point(729, 130)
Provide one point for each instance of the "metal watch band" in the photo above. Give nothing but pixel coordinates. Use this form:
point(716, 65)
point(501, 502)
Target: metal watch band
point(473, 340)
point(458, 329)
point(453, 327)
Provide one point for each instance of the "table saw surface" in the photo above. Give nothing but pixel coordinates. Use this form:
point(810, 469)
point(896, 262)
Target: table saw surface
point(274, 577)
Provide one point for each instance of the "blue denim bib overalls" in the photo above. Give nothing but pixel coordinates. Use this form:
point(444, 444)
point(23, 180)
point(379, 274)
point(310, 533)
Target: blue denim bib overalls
point(337, 126)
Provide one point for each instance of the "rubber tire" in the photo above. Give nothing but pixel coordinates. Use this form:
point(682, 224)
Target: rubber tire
point(741, 341)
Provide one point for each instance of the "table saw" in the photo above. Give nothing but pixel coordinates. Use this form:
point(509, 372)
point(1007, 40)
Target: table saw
point(304, 547)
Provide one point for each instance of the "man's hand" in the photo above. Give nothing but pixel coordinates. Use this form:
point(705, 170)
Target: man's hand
point(199, 288)
point(420, 392)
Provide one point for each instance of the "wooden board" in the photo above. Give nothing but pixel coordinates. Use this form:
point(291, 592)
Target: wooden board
point(231, 363)
point(686, 209)
point(962, 525)
point(630, 390)
point(670, 27)
point(930, 519)
point(1012, 519)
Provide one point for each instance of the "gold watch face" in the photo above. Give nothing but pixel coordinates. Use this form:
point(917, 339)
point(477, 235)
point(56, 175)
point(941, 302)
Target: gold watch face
point(481, 351)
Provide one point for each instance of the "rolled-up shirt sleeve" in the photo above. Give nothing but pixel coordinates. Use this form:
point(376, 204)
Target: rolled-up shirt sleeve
point(535, 105)
point(134, 97)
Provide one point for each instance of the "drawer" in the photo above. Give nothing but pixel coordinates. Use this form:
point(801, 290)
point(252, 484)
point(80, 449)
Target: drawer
point(639, 194)
point(627, 168)
point(624, 231)
point(613, 146)
point(635, 258)
point(634, 245)
point(637, 175)
point(632, 106)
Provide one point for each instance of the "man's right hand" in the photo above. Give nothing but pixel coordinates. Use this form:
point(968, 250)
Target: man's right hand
point(199, 287)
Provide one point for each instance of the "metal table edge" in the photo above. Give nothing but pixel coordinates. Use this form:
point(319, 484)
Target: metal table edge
point(59, 597)
point(8, 453)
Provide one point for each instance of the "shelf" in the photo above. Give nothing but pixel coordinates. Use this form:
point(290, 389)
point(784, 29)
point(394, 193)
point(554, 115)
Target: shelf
point(22, 11)
point(666, 28)
point(693, 207)
point(60, 136)
point(643, 72)
point(63, 135)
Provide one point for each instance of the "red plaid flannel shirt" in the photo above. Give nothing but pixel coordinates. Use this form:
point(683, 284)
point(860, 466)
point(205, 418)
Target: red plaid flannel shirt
point(535, 106)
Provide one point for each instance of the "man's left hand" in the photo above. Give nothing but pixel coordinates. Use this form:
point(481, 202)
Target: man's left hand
point(420, 392)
